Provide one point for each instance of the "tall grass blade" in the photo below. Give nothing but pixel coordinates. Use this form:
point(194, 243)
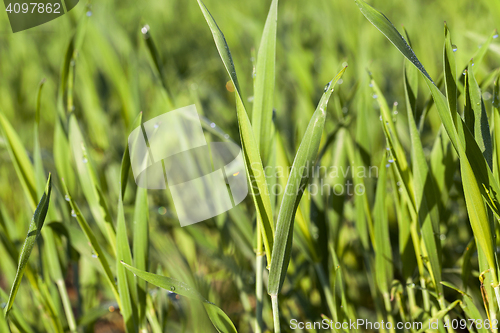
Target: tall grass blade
point(262, 114)
point(299, 177)
point(30, 241)
point(253, 161)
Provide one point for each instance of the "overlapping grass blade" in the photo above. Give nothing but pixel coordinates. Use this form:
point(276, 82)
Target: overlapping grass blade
point(474, 168)
point(91, 238)
point(219, 319)
point(253, 161)
point(297, 181)
point(126, 281)
point(31, 238)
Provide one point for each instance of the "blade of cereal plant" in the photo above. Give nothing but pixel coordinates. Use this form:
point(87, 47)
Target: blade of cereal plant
point(262, 114)
point(426, 204)
point(253, 162)
point(125, 166)
point(90, 184)
point(496, 126)
point(297, 181)
point(382, 245)
point(475, 115)
point(31, 238)
point(126, 282)
point(141, 246)
point(450, 73)
point(98, 252)
point(219, 319)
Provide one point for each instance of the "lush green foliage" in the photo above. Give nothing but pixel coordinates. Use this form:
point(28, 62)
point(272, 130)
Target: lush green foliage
point(357, 210)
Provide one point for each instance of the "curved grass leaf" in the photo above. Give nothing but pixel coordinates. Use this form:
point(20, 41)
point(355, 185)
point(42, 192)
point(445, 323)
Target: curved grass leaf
point(141, 246)
point(33, 234)
point(219, 319)
point(253, 161)
point(297, 181)
point(125, 166)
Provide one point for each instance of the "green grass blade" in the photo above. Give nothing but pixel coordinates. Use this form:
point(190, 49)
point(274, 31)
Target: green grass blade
point(297, 181)
point(91, 238)
point(262, 114)
point(219, 319)
point(450, 73)
point(475, 115)
point(30, 241)
point(382, 245)
point(89, 183)
point(126, 282)
point(141, 246)
point(125, 166)
point(426, 204)
point(253, 162)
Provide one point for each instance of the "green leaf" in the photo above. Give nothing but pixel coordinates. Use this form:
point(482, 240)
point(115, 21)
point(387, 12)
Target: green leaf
point(262, 114)
point(426, 204)
point(125, 166)
point(141, 246)
point(299, 177)
point(475, 115)
point(126, 281)
point(91, 238)
point(89, 182)
point(382, 246)
point(219, 319)
point(253, 162)
point(31, 238)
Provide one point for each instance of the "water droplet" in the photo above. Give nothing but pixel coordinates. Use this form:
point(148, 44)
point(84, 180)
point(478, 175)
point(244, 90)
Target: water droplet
point(396, 112)
point(156, 125)
point(84, 160)
point(327, 86)
point(172, 288)
point(454, 48)
point(375, 96)
point(391, 160)
point(495, 36)
point(250, 99)
point(340, 81)
point(388, 148)
point(212, 125)
point(145, 29)
point(371, 84)
point(412, 285)
point(398, 183)
point(66, 197)
point(442, 237)
point(226, 136)
point(89, 13)
point(94, 255)
point(380, 118)
point(464, 72)
point(387, 165)
point(387, 123)
point(73, 213)
point(472, 64)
